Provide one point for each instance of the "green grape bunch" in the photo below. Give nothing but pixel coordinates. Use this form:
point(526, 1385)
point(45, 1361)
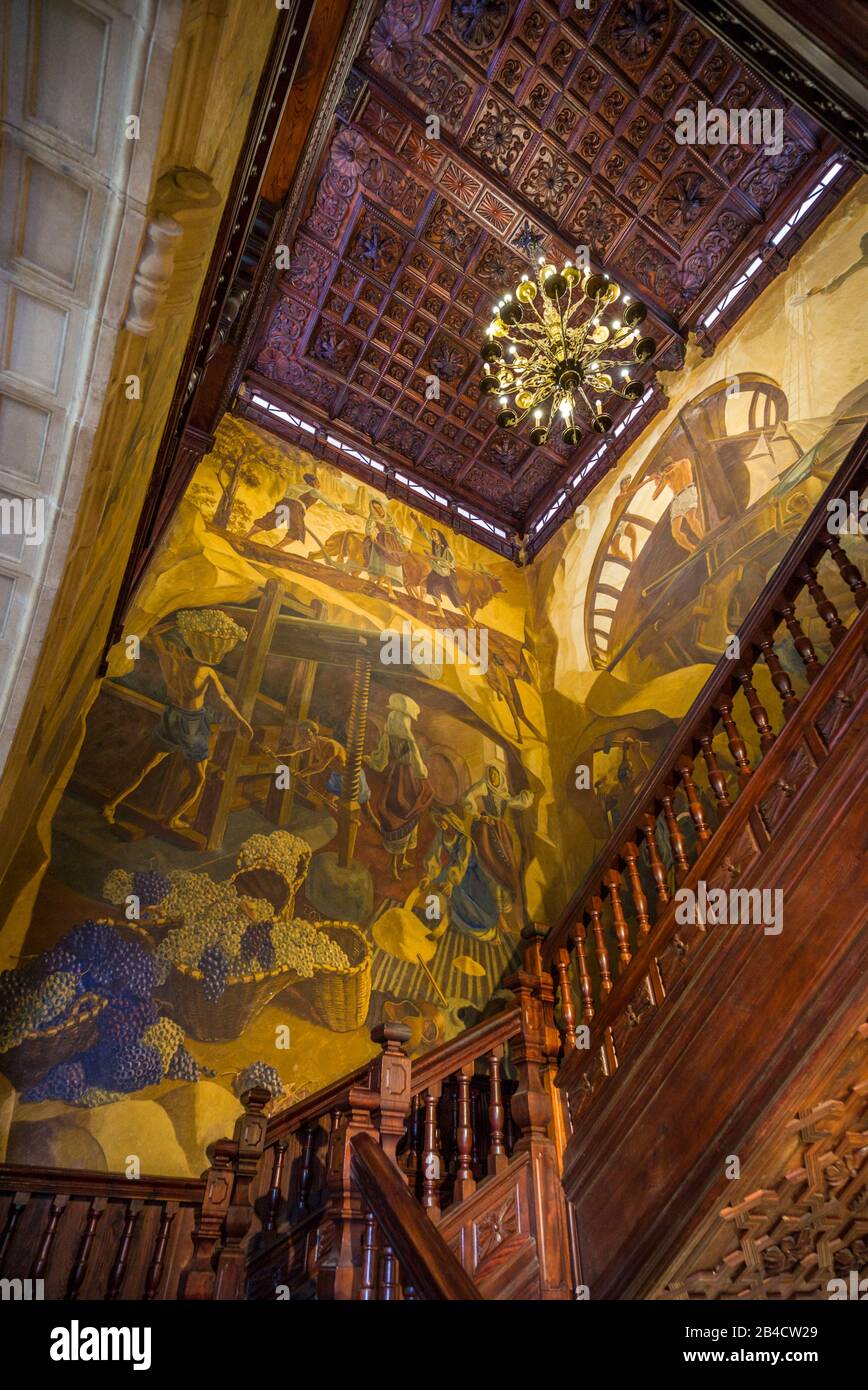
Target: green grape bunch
point(279, 850)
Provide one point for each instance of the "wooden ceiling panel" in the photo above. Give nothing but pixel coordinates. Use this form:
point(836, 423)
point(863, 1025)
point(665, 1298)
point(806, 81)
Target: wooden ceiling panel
point(474, 136)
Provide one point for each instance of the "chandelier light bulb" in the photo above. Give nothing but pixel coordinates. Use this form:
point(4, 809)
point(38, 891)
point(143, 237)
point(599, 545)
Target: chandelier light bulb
point(616, 323)
point(565, 408)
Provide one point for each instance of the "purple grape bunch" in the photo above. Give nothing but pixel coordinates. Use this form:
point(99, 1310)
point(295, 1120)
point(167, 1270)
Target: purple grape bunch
point(214, 965)
point(259, 1074)
point(184, 1067)
point(111, 964)
point(65, 1081)
point(257, 947)
point(150, 886)
point(124, 1020)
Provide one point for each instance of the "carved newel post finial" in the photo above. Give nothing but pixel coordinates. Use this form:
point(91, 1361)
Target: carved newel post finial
point(392, 1079)
point(532, 985)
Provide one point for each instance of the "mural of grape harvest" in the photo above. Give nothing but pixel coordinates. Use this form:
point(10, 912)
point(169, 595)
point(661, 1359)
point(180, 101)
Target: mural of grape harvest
point(275, 838)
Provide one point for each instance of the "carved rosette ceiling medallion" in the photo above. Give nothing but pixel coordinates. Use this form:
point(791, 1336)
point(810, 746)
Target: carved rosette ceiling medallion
point(472, 137)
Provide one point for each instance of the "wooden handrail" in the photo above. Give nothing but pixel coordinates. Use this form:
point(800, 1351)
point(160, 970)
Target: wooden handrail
point(780, 590)
point(314, 1106)
point(426, 1260)
point(644, 960)
point(440, 1062)
point(475, 1042)
point(73, 1182)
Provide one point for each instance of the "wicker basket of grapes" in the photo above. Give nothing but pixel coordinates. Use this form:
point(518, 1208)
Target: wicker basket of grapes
point(209, 633)
point(274, 867)
point(226, 965)
point(39, 1049)
point(340, 993)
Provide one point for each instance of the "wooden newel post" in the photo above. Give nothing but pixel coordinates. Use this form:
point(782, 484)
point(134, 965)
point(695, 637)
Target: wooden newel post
point(200, 1276)
point(249, 1139)
point(531, 1105)
point(379, 1105)
point(391, 1078)
point(540, 1124)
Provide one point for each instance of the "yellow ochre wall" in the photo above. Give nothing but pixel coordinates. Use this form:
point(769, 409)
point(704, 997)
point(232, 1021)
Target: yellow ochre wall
point(761, 424)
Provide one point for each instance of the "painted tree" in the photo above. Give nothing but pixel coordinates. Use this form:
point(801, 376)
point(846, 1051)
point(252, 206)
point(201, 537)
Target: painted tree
point(238, 464)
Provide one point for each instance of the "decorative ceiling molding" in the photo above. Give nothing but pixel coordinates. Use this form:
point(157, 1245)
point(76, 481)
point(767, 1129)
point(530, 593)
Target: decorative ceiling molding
point(816, 57)
point(554, 130)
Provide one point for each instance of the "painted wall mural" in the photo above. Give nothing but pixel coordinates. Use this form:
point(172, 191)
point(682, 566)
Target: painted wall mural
point(311, 795)
point(636, 598)
point(342, 755)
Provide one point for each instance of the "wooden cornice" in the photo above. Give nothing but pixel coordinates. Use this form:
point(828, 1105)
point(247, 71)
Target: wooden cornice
point(817, 54)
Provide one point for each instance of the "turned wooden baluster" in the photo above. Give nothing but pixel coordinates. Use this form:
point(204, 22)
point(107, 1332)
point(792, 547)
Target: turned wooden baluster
point(823, 604)
point(737, 745)
point(578, 940)
point(431, 1159)
point(802, 643)
point(416, 1125)
point(850, 573)
point(446, 1130)
point(612, 880)
point(568, 1013)
point(716, 775)
point(16, 1207)
point(595, 912)
point(694, 801)
point(676, 839)
point(497, 1158)
point(757, 709)
point(390, 1290)
point(334, 1138)
point(464, 1181)
point(370, 1259)
point(780, 680)
point(658, 871)
point(43, 1254)
point(122, 1259)
point(630, 855)
point(158, 1260)
point(276, 1182)
point(79, 1269)
point(308, 1136)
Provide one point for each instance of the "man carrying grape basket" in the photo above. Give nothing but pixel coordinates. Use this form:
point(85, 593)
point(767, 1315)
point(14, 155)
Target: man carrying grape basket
point(209, 635)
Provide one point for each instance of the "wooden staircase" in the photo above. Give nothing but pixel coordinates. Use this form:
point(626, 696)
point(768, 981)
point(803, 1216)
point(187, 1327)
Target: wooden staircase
point(581, 1142)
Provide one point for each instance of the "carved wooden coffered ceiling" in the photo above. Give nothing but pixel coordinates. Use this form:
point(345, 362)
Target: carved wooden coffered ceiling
point(556, 129)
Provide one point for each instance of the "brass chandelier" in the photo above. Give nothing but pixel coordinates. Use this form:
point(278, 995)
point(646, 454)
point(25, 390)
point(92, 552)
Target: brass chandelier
point(550, 353)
